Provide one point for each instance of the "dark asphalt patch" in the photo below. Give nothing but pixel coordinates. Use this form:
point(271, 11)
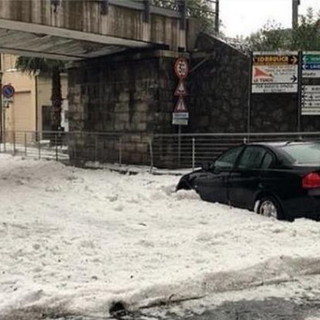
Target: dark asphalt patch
point(268, 309)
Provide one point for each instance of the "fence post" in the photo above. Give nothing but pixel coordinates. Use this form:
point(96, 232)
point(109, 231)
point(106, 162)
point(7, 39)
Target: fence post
point(14, 142)
point(39, 145)
point(179, 146)
point(96, 148)
point(193, 153)
point(120, 151)
point(151, 155)
point(4, 140)
point(56, 144)
point(25, 144)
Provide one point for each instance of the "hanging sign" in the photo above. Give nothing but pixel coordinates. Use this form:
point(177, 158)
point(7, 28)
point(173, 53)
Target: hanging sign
point(311, 65)
point(180, 106)
point(8, 91)
point(310, 104)
point(181, 89)
point(181, 68)
point(275, 73)
point(180, 114)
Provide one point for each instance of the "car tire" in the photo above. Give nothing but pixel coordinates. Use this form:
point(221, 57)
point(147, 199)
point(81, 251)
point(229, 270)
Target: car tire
point(270, 207)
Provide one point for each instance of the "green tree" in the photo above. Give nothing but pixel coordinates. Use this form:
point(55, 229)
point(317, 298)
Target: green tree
point(51, 68)
point(305, 36)
point(202, 10)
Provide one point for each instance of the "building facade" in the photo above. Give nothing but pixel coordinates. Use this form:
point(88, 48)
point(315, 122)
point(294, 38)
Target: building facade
point(29, 109)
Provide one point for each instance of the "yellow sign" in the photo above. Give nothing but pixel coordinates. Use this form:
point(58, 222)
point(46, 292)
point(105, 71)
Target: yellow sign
point(275, 59)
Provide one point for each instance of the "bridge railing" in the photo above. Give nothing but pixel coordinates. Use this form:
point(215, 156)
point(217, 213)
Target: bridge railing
point(116, 148)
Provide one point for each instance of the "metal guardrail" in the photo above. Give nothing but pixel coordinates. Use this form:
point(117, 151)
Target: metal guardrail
point(158, 150)
point(190, 150)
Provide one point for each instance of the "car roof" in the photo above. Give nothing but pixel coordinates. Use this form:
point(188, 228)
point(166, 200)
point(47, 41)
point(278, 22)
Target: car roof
point(277, 144)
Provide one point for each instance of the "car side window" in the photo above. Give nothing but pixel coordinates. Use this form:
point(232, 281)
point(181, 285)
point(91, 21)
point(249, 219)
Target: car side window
point(228, 159)
point(267, 161)
point(252, 158)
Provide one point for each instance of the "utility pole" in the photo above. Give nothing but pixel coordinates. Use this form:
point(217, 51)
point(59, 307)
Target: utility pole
point(295, 13)
point(217, 17)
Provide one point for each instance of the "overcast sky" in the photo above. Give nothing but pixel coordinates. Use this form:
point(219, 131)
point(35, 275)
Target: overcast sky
point(242, 17)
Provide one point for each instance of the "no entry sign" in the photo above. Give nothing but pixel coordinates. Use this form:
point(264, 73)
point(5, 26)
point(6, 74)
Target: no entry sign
point(8, 91)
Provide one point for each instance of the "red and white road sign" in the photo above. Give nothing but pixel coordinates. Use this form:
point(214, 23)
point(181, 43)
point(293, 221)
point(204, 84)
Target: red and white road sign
point(181, 89)
point(180, 106)
point(181, 68)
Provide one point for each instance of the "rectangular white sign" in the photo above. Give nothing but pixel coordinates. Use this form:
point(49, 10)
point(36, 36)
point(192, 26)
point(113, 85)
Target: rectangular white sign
point(274, 74)
point(311, 104)
point(180, 115)
point(310, 112)
point(310, 96)
point(180, 122)
point(274, 88)
point(310, 89)
point(311, 73)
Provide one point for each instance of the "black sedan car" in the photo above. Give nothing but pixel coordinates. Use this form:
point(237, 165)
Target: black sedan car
point(280, 179)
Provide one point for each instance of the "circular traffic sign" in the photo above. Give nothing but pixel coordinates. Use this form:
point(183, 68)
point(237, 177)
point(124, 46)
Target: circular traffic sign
point(181, 68)
point(8, 91)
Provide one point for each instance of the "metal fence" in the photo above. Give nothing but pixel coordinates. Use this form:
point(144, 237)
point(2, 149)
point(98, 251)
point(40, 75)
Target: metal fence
point(172, 151)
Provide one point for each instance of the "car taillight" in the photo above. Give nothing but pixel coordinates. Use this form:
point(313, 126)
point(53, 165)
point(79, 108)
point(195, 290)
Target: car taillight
point(311, 180)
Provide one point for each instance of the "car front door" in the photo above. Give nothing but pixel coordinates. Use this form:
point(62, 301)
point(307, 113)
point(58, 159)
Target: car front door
point(245, 179)
point(211, 184)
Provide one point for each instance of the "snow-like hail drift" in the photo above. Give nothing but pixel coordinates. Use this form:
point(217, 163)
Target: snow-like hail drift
point(84, 239)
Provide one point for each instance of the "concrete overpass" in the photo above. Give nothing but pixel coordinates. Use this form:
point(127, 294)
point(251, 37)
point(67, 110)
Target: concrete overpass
point(81, 29)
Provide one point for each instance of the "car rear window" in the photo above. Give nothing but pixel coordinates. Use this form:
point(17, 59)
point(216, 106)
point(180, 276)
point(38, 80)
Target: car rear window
point(303, 154)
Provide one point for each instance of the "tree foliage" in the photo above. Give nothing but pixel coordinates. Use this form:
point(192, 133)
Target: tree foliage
point(272, 37)
point(201, 10)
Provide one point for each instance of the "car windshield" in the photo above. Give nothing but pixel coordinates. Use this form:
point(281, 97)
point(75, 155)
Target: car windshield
point(303, 153)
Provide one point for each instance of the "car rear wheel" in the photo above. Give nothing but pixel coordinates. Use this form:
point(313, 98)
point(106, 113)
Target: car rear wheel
point(269, 207)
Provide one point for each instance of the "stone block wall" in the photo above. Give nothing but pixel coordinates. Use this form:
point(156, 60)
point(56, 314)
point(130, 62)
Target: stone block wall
point(273, 112)
point(124, 95)
point(128, 98)
point(218, 87)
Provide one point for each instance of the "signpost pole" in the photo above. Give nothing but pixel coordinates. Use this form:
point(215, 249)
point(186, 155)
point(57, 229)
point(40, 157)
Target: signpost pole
point(249, 98)
point(180, 115)
point(1, 105)
point(4, 128)
point(299, 91)
point(7, 92)
point(179, 146)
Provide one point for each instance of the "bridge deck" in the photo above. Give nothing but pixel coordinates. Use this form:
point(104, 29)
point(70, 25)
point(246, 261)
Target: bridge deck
point(74, 30)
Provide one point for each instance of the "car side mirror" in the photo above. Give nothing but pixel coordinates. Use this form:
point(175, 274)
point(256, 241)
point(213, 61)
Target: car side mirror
point(207, 165)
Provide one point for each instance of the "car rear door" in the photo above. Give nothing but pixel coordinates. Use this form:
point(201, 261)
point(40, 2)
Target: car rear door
point(212, 184)
point(246, 178)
